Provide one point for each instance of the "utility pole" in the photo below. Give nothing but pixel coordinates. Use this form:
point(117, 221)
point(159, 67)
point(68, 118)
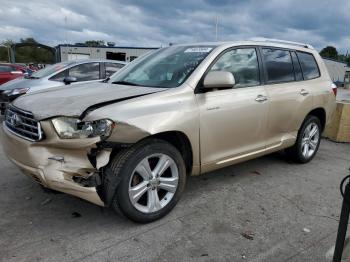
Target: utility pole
point(216, 27)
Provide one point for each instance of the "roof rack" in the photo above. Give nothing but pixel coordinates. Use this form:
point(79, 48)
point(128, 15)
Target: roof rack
point(263, 39)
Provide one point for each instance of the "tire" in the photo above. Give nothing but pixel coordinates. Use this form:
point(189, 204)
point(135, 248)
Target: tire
point(298, 152)
point(145, 187)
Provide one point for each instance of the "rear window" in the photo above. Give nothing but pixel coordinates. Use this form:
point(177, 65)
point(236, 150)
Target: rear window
point(308, 65)
point(279, 65)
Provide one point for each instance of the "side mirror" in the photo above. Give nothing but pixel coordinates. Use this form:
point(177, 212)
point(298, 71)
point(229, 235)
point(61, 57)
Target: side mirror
point(219, 79)
point(69, 79)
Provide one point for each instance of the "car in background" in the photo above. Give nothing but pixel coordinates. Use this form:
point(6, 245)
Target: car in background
point(11, 71)
point(56, 75)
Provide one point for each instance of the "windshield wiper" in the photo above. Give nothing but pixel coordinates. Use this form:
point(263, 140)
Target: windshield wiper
point(125, 83)
point(106, 80)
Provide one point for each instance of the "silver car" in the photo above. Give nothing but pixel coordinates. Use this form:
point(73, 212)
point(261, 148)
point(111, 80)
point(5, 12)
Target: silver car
point(59, 74)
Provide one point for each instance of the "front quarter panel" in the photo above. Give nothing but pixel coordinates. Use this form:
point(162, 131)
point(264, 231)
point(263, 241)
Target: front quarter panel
point(171, 110)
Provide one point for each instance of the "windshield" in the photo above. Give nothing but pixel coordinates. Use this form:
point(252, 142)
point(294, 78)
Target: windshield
point(166, 67)
point(48, 70)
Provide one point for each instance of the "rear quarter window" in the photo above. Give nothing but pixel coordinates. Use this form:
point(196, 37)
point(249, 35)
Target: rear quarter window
point(308, 65)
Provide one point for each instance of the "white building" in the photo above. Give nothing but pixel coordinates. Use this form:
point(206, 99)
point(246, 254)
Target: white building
point(339, 71)
point(74, 52)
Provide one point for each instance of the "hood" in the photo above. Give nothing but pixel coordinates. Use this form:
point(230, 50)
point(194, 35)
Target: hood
point(74, 100)
point(20, 83)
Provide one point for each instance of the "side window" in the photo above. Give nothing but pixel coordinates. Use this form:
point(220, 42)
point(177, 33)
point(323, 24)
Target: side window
point(111, 68)
point(242, 63)
point(86, 72)
point(297, 68)
point(5, 69)
point(59, 77)
point(308, 65)
point(278, 65)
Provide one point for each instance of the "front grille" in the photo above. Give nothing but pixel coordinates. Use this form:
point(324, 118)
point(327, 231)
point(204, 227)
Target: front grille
point(23, 124)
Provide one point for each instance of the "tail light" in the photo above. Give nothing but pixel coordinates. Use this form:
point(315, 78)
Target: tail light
point(334, 88)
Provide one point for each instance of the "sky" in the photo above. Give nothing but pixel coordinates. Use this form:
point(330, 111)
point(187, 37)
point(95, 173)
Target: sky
point(158, 23)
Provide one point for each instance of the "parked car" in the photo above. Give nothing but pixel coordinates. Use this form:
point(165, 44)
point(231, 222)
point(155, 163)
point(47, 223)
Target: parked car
point(130, 143)
point(59, 74)
point(11, 71)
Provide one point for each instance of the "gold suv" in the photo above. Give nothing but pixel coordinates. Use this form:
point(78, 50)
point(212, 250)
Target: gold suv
point(130, 141)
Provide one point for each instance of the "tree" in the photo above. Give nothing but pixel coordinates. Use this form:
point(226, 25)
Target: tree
point(329, 52)
point(28, 40)
point(94, 43)
point(4, 50)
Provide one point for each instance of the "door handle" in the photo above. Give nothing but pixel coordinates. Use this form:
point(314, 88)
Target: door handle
point(260, 98)
point(304, 92)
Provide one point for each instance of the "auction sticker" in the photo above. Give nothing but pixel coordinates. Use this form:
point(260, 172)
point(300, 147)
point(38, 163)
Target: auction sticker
point(198, 50)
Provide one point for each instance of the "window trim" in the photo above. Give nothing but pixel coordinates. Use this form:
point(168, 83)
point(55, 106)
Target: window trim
point(301, 71)
point(267, 82)
point(199, 85)
point(318, 68)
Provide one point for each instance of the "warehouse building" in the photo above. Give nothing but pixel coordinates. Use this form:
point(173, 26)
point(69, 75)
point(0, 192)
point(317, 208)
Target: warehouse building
point(74, 52)
point(339, 71)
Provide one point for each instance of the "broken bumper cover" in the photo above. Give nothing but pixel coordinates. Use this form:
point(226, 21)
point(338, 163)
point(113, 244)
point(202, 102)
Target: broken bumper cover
point(54, 162)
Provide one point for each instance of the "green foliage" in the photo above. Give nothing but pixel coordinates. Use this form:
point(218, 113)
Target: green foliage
point(27, 54)
point(329, 52)
point(94, 43)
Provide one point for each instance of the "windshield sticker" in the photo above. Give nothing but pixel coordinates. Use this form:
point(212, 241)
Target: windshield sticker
point(198, 50)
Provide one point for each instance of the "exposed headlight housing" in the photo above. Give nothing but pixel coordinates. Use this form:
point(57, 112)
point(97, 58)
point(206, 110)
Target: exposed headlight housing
point(74, 128)
point(16, 91)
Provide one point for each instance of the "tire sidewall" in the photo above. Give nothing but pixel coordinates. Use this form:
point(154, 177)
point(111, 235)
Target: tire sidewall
point(308, 120)
point(122, 195)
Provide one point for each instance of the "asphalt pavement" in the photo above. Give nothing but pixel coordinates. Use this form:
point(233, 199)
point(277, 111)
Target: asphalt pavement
point(266, 209)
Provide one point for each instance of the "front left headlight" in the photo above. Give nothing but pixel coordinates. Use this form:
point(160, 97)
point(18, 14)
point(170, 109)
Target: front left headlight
point(70, 128)
point(16, 91)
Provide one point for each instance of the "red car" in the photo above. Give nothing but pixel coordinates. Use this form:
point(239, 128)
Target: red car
point(11, 71)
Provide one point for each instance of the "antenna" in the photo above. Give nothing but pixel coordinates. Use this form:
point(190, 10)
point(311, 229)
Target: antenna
point(216, 27)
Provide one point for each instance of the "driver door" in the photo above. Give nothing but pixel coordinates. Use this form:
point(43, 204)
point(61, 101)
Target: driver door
point(233, 121)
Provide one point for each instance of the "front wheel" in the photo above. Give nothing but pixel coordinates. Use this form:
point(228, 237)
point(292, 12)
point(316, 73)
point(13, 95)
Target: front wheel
point(308, 141)
point(153, 176)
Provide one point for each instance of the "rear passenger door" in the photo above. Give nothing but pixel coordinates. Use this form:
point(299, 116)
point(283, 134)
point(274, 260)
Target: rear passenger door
point(289, 96)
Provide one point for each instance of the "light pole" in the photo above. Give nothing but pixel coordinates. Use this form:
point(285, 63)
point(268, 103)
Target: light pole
point(8, 52)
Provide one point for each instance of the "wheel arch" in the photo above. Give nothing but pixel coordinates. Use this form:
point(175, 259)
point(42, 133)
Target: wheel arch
point(320, 113)
point(181, 142)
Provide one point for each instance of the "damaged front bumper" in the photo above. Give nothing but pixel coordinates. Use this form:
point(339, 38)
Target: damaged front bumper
point(57, 163)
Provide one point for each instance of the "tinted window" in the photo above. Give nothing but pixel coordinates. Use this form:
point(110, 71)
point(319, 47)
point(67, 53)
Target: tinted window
point(111, 68)
point(242, 63)
point(86, 72)
point(308, 65)
point(297, 68)
point(59, 77)
point(4, 69)
point(279, 65)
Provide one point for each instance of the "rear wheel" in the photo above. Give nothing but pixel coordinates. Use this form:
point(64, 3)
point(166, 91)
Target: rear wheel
point(308, 141)
point(153, 177)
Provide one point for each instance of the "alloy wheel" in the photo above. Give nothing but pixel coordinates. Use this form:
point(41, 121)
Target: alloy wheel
point(310, 140)
point(153, 183)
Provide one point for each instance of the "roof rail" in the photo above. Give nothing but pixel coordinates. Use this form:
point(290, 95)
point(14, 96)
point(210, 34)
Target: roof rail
point(263, 39)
